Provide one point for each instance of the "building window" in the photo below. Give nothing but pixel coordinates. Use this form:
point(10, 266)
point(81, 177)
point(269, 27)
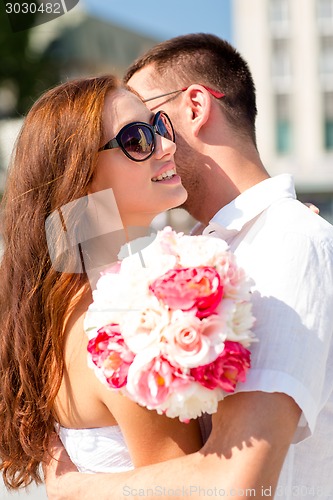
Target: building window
point(328, 120)
point(279, 11)
point(324, 10)
point(281, 64)
point(283, 124)
point(325, 16)
point(326, 56)
point(279, 16)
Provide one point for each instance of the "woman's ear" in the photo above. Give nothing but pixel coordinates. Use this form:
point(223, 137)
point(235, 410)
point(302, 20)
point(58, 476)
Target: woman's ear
point(198, 101)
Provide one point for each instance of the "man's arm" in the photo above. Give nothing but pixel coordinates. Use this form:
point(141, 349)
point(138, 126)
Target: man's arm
point(242, 457)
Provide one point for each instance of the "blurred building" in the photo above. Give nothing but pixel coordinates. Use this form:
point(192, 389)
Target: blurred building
point(87, 45)
point(289, 47)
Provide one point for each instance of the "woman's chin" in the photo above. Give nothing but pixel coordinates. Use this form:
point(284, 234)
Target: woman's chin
point(181, 197)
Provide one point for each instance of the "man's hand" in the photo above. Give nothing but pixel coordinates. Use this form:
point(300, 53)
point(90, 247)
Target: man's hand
point(57, 469)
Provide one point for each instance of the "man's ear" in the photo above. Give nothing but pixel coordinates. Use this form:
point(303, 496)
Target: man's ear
point(198, 101)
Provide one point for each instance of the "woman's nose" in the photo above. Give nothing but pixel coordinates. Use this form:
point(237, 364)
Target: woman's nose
point(164, 146)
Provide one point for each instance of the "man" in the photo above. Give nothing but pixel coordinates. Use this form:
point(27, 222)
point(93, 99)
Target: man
point(275, 434)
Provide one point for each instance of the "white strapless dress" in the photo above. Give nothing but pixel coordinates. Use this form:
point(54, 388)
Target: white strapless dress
point(101, 449)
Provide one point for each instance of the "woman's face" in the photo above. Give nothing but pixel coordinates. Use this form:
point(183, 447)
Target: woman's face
point(138, 193)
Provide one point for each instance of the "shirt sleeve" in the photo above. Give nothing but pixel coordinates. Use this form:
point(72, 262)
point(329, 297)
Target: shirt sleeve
point(293, 306)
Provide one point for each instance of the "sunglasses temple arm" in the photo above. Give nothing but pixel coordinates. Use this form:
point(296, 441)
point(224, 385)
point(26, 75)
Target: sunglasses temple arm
point(164, 95)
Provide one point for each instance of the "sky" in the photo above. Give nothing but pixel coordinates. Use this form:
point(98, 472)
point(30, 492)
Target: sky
point(165, 20)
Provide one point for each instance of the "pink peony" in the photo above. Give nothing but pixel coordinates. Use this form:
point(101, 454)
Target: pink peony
point(188, 288)
point(110, 353)
point(229, 368)
point(149, 382)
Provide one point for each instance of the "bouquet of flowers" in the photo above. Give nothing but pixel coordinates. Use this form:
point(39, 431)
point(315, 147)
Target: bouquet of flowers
point(171, 331)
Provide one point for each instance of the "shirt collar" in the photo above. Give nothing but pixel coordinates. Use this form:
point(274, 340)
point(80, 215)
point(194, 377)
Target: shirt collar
point(229, 220)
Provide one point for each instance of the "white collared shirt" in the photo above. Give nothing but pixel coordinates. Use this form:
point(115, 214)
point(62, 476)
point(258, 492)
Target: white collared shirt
point(288, 251)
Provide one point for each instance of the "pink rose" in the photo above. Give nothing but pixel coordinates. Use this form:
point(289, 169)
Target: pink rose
point(190, 341)
point(229, 368)
point(110, 353)
point(149, 382)
point(187, 288)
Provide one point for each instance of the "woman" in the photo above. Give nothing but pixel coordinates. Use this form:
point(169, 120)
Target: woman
point(80, 138)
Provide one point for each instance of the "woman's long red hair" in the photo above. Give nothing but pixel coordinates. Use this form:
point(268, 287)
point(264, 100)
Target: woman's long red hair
point(53, 164)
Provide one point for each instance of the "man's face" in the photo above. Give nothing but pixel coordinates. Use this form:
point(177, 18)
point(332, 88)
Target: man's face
point(185, 157)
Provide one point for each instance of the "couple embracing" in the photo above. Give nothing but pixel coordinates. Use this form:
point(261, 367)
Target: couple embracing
point(273, 434)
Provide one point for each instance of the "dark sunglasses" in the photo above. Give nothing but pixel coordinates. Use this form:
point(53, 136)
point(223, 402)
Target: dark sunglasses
point(213, 92)
point(138, 139)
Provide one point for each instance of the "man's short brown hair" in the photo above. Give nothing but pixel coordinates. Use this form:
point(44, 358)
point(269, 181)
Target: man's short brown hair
point(208, 60)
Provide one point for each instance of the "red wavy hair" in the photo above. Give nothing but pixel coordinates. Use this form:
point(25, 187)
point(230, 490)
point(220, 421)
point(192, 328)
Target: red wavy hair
point(53, 164)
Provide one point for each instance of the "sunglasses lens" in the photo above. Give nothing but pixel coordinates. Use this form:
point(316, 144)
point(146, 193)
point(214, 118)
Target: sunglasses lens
point(138, 141)
point(164, 127)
